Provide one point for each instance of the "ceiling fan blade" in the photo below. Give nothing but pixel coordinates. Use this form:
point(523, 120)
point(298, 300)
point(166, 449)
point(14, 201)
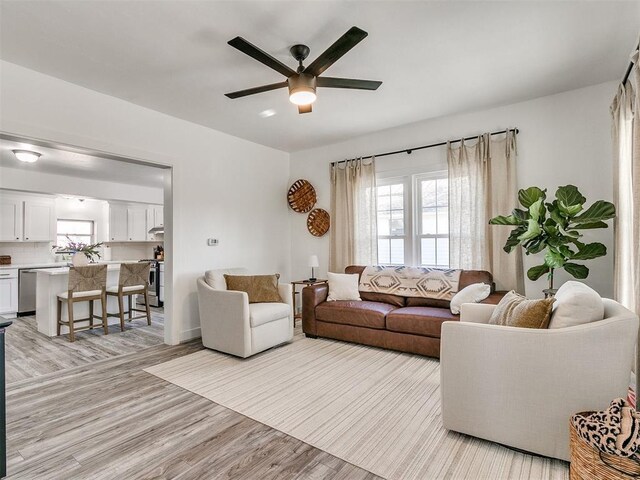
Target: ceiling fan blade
point(341, 46)
point(304, 108)
point(261, 56)
point(333, 82)
point(254, 90)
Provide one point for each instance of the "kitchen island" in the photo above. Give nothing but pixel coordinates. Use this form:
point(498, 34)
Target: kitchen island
point(53, 281)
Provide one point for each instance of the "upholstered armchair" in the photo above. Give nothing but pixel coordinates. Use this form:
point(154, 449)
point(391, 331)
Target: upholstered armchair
point(519, 386)
point(230, 324)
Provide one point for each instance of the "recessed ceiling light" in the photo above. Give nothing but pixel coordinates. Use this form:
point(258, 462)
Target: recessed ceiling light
point(26, 156)
point(270, 112)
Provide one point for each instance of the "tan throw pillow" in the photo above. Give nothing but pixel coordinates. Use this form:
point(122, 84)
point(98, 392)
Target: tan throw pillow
point(514, 310)
point(260, 288)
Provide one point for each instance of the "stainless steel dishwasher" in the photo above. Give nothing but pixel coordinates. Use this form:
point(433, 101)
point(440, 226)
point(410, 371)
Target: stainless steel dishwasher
point(27, 290)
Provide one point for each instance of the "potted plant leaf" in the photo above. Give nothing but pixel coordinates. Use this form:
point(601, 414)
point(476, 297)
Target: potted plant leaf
point(81, 253)
point(555, 228)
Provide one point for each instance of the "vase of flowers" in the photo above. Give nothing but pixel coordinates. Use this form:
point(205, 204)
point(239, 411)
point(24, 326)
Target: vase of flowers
point(81, 253)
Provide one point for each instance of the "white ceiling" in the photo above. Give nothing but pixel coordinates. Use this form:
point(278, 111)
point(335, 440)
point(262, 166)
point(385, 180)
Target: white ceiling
point(62, 162)
point(435, 58)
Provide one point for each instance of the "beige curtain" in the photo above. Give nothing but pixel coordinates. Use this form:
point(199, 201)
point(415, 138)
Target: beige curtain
point(353, 234)
point(626, 144)
point(482, 184)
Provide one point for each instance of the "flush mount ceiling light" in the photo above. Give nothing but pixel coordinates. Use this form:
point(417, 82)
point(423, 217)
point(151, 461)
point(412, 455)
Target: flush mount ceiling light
point(303, 81)
point(26, 156)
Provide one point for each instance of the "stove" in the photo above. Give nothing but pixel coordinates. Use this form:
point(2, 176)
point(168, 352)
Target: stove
point(154, 284)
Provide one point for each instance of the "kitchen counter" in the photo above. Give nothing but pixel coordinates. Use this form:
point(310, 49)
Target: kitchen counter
point(53, 281)
point(58, 264)
point(33, 265)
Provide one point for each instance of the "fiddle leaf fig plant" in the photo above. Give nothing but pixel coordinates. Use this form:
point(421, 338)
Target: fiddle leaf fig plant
point(555, 228)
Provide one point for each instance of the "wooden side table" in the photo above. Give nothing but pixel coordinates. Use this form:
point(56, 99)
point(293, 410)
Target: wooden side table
point(304, 283)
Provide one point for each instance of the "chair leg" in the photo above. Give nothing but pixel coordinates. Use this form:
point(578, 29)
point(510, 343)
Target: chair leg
point(130, 307)
point(72, 336)
point(121, 308)
point(59, 315)
point(146, 306)
point(91, 313)
point(103, 303)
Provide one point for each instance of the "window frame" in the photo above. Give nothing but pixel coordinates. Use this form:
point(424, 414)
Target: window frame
point(418, 235)
point(412, 208)
point(408, 220)
point(76, 220)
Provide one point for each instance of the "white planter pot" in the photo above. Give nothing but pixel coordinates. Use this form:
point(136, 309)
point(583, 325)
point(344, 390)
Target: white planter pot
point(79, 260)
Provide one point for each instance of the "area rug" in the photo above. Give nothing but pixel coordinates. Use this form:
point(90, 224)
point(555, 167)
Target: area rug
point(377, 409)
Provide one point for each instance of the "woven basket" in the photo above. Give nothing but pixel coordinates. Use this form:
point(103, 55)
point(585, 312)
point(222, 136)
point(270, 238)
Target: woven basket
point(318, 222)
point(589, 463)
point(5, 260)
point(301, 196)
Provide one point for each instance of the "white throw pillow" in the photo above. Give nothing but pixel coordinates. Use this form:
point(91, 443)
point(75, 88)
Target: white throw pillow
point(343, 286)
point(474, 293)
point(575, 304)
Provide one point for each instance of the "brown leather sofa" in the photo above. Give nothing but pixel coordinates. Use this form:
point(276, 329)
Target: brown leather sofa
point(382, 320)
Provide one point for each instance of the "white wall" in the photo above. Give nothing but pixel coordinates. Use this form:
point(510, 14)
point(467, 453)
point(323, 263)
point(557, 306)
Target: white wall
point(222, 186)
point(564, 138)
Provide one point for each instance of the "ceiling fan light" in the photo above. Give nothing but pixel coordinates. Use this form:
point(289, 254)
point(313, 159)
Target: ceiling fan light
point(302, 89)
point(26, 156)
point(302, 97)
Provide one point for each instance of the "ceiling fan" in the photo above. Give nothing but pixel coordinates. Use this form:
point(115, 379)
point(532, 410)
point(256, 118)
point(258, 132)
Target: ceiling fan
point(303, 81)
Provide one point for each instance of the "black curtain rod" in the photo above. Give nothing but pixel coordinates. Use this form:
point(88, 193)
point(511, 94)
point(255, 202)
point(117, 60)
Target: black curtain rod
point(439, 144)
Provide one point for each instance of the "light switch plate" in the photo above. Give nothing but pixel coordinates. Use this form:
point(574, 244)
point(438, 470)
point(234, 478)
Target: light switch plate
point(212, 242)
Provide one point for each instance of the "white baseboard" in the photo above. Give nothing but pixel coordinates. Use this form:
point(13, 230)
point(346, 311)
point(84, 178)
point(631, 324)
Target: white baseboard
point(187, 335)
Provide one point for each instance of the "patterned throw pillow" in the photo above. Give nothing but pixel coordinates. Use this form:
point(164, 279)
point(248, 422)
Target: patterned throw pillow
point(260, 288)
point(514, 310)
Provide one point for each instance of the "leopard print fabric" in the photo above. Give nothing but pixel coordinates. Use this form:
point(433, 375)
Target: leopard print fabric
point(615, 431)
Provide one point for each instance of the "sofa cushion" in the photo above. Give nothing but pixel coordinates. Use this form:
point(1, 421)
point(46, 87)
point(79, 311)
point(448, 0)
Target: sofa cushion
point(426, 321)
point(576, 303)
point(356, 313)
point(259, 288)
point(261, 313)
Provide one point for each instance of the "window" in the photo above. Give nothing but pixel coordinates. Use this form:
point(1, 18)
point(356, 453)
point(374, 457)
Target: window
point(391, 223)
point(433, 215)
point(76, 230)
point(413, 220)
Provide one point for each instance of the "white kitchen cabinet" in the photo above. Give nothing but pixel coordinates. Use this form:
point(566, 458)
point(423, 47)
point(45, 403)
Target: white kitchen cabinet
point(136, 224)
point(118, 223)
point(39, 220)
point(8, 292)
point(10, 219)
point(155, 218)
point(27, 218)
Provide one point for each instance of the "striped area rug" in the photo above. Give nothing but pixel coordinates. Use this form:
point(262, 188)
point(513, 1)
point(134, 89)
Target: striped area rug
point(377, 409)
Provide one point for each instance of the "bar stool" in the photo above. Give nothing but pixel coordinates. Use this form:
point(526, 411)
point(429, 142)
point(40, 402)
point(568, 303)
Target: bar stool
point(133, 280)
point(86, 284)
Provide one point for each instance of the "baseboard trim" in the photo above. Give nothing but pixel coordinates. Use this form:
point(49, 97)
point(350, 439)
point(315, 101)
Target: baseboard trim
point(191, 334)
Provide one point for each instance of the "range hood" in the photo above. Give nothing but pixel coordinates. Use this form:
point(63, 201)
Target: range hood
point(157, 230)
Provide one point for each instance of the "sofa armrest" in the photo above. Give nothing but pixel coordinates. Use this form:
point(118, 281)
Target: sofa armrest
point(224, 320)
point(312, 296)
point(286, 294)
point(476, 312)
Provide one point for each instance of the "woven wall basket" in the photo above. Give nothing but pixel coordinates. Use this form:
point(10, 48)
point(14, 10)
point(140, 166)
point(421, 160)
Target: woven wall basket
point(301, 196)
point(318, 222)
point(589, 463)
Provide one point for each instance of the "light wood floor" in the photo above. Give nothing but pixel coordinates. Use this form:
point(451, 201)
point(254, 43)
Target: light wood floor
point(92, 412)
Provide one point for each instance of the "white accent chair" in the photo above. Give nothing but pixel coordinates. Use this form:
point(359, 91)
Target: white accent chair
point(520, 386)
point(230, 324)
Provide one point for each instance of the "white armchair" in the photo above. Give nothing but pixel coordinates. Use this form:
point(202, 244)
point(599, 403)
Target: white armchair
point(230, 324)
point(519, 386)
